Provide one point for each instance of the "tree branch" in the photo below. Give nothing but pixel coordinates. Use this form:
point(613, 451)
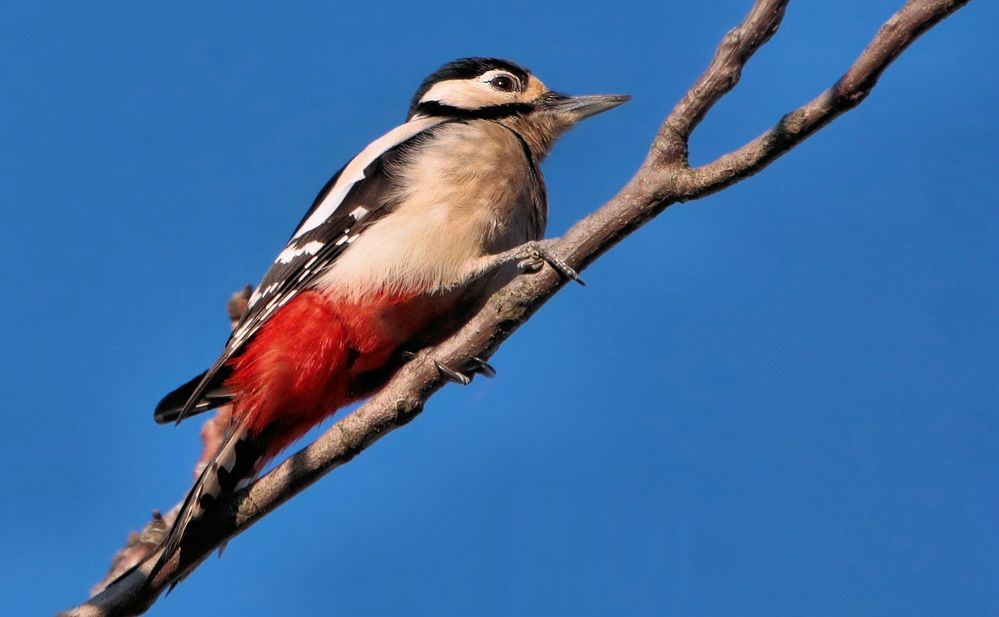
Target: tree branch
point(663, 179)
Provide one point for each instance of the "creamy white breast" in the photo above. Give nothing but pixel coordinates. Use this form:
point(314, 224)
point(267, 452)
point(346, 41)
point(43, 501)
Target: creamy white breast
point(464, 194)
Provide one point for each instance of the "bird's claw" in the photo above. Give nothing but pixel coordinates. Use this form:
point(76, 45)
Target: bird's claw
point(476, 366)
point(483, 368)
point(452, 374)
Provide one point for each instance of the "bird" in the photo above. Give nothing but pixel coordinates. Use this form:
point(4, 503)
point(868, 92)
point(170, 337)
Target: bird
point(401, 244)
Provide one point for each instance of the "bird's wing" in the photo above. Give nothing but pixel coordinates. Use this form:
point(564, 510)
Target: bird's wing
point(353, 199)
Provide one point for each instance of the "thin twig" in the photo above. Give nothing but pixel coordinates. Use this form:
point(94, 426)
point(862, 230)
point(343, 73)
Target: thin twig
point(663, 179)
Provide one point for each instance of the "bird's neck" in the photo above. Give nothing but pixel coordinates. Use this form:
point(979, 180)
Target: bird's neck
point(538, 133)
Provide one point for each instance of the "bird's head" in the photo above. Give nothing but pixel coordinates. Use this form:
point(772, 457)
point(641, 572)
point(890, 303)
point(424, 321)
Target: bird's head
point(499, 90)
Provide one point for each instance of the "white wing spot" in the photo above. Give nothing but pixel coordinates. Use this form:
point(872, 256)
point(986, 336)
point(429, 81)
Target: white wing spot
point(290, 253)
point(211, 486)
point(261, 293)
point(228, 460)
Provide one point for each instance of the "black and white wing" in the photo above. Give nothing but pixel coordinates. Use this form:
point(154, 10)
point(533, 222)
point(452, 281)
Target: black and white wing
point(352, 200)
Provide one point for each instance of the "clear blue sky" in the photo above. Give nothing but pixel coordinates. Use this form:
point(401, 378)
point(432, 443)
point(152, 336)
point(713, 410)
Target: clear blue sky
point(781, 400)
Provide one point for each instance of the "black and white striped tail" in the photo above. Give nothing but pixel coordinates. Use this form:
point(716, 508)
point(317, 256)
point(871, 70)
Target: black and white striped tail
point(235, 462)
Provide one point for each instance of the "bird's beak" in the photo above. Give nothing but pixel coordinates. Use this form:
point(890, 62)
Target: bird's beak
point(581, 107)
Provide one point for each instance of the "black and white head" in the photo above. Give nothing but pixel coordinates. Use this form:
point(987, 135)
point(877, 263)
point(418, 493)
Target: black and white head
point(500, 90)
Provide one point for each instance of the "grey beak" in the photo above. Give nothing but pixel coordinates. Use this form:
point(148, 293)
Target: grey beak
point(590, 105)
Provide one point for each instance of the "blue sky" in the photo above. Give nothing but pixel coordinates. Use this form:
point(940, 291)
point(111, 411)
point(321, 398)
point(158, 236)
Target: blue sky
point(780, 400)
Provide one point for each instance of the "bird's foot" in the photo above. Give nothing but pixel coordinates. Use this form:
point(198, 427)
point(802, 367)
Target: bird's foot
point(531, 256)
point(475, 366)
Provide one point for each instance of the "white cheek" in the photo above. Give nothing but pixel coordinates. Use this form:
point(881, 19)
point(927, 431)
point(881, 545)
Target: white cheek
point(467, 94)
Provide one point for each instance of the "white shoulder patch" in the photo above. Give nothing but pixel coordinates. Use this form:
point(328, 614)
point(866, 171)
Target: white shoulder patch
point(354, 171)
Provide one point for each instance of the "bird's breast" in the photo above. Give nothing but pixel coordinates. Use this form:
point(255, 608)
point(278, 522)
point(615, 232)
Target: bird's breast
point(466, 192)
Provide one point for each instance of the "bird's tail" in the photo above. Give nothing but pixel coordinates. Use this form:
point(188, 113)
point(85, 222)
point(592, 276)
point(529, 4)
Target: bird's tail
point(237, 460)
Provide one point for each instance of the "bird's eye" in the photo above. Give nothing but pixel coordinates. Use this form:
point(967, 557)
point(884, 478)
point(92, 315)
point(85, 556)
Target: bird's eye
point(502, 82)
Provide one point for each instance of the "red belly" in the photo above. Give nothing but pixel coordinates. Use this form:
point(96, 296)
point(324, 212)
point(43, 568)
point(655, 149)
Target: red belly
point(311, 357)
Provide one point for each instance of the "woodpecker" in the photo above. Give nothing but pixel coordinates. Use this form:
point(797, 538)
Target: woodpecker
point(401, 245)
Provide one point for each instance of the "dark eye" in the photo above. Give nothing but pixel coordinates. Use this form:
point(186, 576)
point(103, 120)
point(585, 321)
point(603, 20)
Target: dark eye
point(502, 82)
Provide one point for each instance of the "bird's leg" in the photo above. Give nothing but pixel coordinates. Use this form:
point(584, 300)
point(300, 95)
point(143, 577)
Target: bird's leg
point(475, 366)
point(530, 256)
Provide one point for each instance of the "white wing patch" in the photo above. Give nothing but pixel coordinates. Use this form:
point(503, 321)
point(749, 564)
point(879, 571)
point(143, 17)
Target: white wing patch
point(260, 293)
point(354, 171)
point(241, 334)
point(346, 238)
point(289, 254)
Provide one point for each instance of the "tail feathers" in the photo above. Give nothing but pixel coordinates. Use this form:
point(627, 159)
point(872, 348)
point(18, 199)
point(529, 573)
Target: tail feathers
point(170, 408)
point(237, 460)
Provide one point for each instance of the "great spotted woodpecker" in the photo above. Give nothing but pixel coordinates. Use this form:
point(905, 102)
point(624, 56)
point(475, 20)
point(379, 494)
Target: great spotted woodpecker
point(398, 248)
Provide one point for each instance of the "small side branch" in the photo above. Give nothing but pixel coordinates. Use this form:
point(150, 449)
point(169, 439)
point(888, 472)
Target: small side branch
point(663, 179)
point(734, 51)
point(853, 87)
